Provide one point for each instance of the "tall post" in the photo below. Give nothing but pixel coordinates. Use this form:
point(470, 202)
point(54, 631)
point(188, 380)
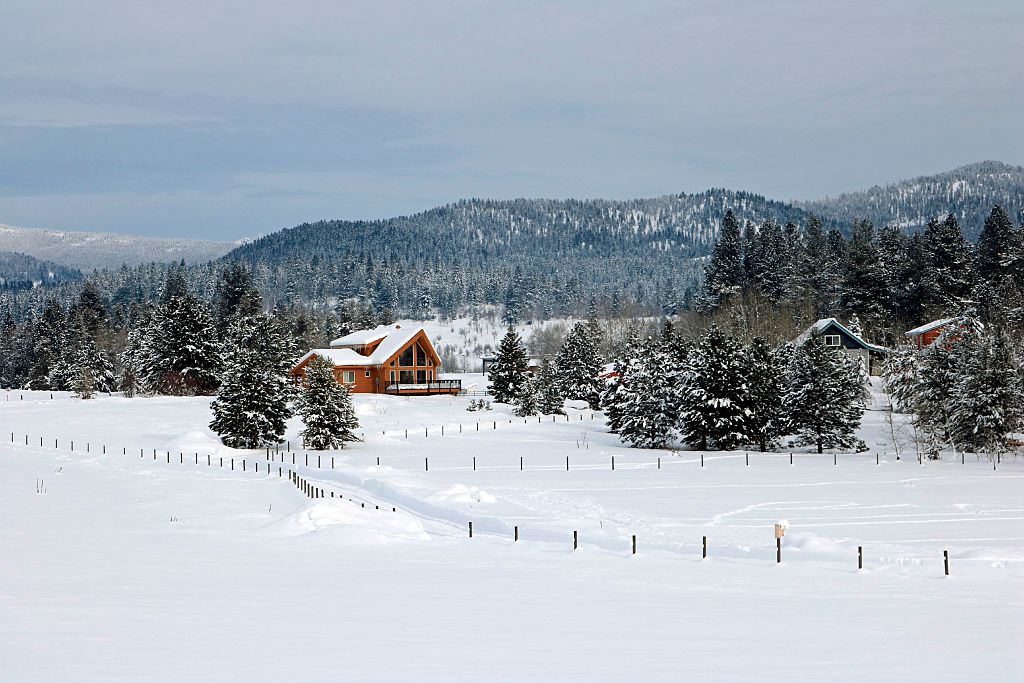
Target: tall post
point(778, 551)
point(471, 529)
point(945, 561)
point(515, 538)
point(704, 554)
point(634, 544)
point(860, 557)
point(575, 540)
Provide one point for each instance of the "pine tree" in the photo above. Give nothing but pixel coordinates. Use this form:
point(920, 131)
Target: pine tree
point(987, 405)
point(182, 356)
point(947, 276)
point(864, 289)
point(714, 403)
point(648, 398)
point(724, 274)
point(528, 399)
point(823, 397)
point(235, 295)
point(550, 400)
point(577, 366)
point(326, 408)
point(251, 408)
point(765, 421)
point(508, 372)
point(996, 258)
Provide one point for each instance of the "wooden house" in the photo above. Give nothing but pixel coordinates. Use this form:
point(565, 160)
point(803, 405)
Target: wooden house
point(926, 334)
point(835, 334)
point(388, 359)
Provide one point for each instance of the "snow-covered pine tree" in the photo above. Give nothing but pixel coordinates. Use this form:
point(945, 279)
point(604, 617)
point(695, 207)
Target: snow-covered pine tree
point(326, 408)
point(508, 372)
point(765, 421)
point(864, 289)
point(528, 399)
point(182, 355)
point(724, 273)
point(549, 398)
point(577, 366)
point(648, 398)
point(823, 397)
point(947, 277)
point(987, 405)
point(900, 376)
point(251, 408)
point(714, 399)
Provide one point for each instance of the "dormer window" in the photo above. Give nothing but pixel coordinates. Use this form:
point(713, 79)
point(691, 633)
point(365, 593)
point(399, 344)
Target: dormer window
point(832, 340)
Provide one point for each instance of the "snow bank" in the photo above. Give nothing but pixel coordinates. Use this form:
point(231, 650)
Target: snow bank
point(462, 495)
point(359, 525)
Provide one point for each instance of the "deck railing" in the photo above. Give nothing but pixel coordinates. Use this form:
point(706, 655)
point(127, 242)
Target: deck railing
point(441, 386)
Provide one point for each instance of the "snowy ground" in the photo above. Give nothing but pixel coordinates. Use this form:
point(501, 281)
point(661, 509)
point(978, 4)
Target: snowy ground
point(126, 567)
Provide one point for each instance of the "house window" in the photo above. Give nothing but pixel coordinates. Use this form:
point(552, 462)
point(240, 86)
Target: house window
point(421, 377)
point(367, 373)
point(350, 376)
point(406, 376)
point(421, 355)
point(832, 340)
point(406, 358)
point(392, 376)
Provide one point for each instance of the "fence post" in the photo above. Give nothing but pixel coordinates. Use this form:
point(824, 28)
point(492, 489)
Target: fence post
point(495, 424)
point(318, 462)
point(332, 462)
point(474, 463)
point(835, 459)
point(860, 557)
point(790, 458)
point(659, 463)
point(702, 460)
point(747, 456)
point(520, 463)
point(575, 540)
point(426, 464)
point(634, 544)
point(613, 463)
point(945, 561)
point(471, 529)
point(876, 459)
point(567, 463)
point(516, 537)
point(705, 550)
point(778, 551)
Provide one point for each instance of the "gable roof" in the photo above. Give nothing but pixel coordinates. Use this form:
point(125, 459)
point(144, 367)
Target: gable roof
point(928, 327)
point(392, 338)
point(819, 327)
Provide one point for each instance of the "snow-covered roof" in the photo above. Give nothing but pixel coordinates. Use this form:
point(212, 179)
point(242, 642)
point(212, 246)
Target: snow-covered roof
point(392, 339)
point(364, 337)
point(928, 327)
point(339, 357)
point(817, 328)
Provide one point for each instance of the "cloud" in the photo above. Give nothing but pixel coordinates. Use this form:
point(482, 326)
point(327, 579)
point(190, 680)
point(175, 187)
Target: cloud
point(415, 104)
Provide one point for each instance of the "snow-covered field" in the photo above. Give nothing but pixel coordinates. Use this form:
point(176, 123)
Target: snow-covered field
point(119, 566)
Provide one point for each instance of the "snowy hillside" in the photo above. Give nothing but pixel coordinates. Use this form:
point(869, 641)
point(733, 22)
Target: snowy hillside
point(87, 251)
point(130, 565)
point(969, 191)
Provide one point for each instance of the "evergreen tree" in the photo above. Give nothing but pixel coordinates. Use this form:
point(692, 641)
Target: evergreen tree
point(181, 352)
point(577, 366)
point(648, 398)
point(987, 405)
point(824, 399)
point(549, 398)
point(715, 396)
point(251, 409)
point(725, 272)
point(996, 257)
point(864, 290)
point(508, 372)
point(948, 275)
point(528, 399)
point(235, 295)
point(765, 421)
point(326, 408)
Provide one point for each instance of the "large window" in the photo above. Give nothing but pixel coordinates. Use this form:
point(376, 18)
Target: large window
point(406, 358)
point(406, 376)
point(421, 355)
point(349, 377)
point(421, 377)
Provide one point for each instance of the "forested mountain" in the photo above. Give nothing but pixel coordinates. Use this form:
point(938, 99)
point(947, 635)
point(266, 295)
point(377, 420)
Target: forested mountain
point(88, 251)
point(536, 257)
point(23, 271)
point(969, 192)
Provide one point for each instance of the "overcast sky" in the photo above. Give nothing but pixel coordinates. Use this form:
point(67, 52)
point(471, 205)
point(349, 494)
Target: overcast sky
point(231, 119)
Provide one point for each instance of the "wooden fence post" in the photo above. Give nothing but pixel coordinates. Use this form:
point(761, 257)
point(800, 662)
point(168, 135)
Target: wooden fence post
point(426, 464)
point(705, 550)
point(471, 529)
point(860, 557)
point(515, 538)
point(747, 456)
point(659, 463)
point(778, 550)
point(634, 544)
point(945, 561)
point(575, 540)
point(520, 463)
point(474, 463)
point(702, 460)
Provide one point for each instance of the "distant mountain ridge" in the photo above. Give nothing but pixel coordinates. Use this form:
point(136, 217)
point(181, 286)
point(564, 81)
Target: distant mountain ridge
point(87, 251)
point(968, 191)
point(24, 270)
